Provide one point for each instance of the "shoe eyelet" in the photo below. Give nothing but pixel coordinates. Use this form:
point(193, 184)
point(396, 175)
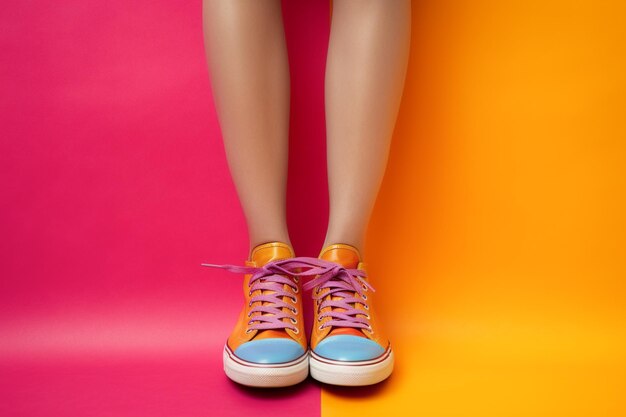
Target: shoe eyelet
point(295, 311)
point(250, 304)
point(294, 300)
point(294, 321)
point(296, 290)
point(367, 316)
point(364, 287)
point(248, 331)
point(364, 297)
point(295, 330)
point(296, 279)
point(365, 306)
point(321, 327)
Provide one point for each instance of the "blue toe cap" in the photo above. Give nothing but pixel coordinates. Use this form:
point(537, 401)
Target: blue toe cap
point(275, 350)
point(349, 348)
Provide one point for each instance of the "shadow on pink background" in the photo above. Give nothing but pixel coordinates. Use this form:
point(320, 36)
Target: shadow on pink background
point(114, 189)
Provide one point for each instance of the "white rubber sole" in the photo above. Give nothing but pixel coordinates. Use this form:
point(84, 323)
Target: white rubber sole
point(352, 373)
point(265, 375)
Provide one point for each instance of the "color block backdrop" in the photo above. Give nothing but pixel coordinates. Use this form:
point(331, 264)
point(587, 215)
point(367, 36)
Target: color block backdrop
point(497, 244)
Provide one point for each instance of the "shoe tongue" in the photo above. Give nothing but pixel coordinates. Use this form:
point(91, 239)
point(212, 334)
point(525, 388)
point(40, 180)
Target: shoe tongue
point(348, 257)
point(261, 255)
point(345, 255)
point(267, 252)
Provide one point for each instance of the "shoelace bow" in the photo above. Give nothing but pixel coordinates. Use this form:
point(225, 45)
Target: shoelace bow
point(342, 284)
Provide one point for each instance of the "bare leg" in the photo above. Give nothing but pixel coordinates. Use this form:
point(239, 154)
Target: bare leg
point(247, 57)
point(365, 72)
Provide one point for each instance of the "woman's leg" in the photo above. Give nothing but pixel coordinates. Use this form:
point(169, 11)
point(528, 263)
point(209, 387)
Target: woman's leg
point(249, 70)
point(248, 65)
point(365, 72)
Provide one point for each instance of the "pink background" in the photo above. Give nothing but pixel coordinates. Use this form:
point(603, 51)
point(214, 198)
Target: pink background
point(114, 189)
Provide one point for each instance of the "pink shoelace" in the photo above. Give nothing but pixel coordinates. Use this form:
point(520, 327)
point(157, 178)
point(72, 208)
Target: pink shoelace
point(341, 283)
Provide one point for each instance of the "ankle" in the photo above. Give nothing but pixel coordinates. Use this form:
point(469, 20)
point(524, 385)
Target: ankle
point(355, 243)
point(254, 243)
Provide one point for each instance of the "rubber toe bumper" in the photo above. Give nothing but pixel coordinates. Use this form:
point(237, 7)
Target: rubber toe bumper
point(351, 373)
point(349, 348)
point(255, 374)
point(270, 351)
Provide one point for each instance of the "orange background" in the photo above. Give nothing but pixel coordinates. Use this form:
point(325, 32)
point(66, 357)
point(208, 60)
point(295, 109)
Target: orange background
point(498, 244)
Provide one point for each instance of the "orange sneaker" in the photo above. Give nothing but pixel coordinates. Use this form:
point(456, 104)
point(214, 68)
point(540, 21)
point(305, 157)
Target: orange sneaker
point(268, 346)
point(348, 345)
